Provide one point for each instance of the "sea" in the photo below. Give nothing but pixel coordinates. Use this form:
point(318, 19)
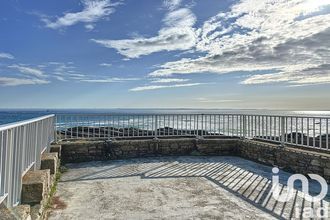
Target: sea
point(14, 115)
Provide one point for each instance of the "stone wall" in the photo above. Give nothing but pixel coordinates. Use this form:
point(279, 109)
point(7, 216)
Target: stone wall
point(288, 158)
point(214, 147)
point(291, 159)
point(80, 151)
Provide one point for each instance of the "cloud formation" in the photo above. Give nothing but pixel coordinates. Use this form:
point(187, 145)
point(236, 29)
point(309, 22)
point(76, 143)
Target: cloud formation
point(172, 4)
point(6, 56)
point(64, 71)
point(289, 38)
point(109, 80)
point(47, 72)
point(177, 33)
point(93, 11)
point(106, 64)
point(208, 100)
point(168, 80)
point(28, 70)
point(153, 87)
point(11, 81)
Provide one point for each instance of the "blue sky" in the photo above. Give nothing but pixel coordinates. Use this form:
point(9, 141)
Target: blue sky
point(166, 53)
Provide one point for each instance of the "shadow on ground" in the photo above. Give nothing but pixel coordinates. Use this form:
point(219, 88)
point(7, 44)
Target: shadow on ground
point(247, 181)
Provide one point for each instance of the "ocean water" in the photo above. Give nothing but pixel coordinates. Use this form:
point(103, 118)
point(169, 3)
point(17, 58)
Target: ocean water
point(14, 115)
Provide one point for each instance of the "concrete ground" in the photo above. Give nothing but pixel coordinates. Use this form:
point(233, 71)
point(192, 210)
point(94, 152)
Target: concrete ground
point(173, 188)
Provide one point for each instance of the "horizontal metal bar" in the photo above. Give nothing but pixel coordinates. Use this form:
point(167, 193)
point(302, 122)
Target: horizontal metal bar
point(28, 168)
point(2, 198)
point(170, 114)
point(25, 122)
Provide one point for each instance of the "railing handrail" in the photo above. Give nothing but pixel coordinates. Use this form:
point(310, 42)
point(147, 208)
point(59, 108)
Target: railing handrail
point(24, 122)
point(167, 114)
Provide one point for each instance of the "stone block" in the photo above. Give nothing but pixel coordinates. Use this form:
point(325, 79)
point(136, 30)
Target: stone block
point(22, 212)
point(35, 186)
point(38, 212)
point(49, 161)
point(56, 149)
point(5, 213)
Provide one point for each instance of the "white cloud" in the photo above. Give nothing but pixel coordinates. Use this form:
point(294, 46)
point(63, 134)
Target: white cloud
point(177, 34)
point(207, 100)
point(106, 64)
point(64, 71)
point(9, 81)
point(287, 37)
point(89, 27)
point(172, 4)
point(153, 87)
point(109, 80)
point(28, 70)
point(304, 76)
point(93, 11)
point(169, 80)
point(6, 56)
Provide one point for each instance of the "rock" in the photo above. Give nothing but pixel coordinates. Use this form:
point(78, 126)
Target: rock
point(316, 162)
point(327, 171)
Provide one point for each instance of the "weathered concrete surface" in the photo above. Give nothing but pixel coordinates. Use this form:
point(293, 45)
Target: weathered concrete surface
point(173, 188)
point(22, 212)
point(5, 213)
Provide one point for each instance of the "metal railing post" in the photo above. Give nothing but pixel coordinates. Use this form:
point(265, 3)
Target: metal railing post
point(244, 126)
point(55, 129)
point(282, 131)
point(156, 126)
point(202, 129)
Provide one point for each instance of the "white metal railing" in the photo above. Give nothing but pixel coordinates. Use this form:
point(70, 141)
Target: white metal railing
point(21, 146)
point(293, 130)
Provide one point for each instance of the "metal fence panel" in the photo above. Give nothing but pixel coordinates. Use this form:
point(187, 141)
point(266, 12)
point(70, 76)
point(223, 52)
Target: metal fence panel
point(21, 146)
point(293, 130)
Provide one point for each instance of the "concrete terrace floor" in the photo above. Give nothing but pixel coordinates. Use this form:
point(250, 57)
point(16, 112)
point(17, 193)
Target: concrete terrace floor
point(192, 187)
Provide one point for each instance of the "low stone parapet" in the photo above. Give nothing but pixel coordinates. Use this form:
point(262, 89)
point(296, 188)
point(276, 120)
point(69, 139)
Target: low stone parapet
point(80, 151)
point(35, 186)
point(56, 148)
point(294, 160)
point(50, 161)
point(215, 147)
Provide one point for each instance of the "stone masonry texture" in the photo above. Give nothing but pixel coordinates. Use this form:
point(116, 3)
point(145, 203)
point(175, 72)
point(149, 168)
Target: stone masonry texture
point(291, 159)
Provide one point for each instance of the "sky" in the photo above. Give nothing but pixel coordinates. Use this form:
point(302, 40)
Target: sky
point(247, 54)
